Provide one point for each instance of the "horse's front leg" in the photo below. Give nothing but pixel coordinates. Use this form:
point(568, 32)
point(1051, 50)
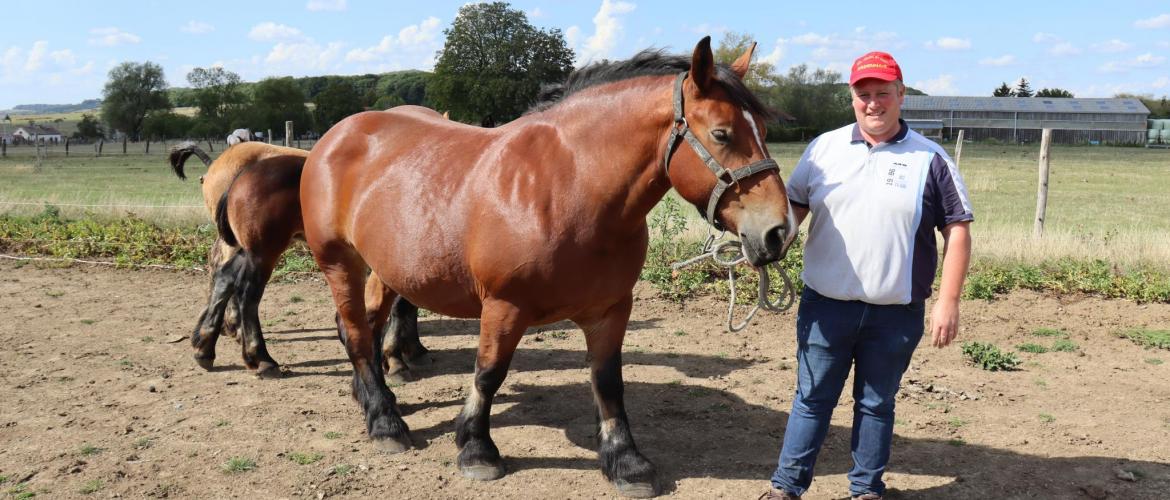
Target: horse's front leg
point(632, 474)
point(501, 326)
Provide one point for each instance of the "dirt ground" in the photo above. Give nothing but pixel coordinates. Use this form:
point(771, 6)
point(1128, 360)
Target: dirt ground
point(99, 397)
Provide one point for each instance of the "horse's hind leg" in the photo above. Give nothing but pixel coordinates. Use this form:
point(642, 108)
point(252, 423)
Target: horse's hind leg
point(223, 287)
point(217, 256)
point(622, 464)
point(380, 300)
point(345, 272)
point(405, 342)
point(256, 269)
point(501, 327)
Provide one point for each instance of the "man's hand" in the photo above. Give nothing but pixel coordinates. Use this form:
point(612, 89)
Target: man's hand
point(944, 322)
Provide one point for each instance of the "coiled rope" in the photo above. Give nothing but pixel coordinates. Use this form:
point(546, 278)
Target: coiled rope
point(730, 254)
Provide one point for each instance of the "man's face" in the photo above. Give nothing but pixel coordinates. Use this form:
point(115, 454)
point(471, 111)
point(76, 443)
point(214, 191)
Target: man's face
point(877, 105)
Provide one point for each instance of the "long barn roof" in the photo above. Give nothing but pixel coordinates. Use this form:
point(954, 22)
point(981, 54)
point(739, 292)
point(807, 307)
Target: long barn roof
point(1025, 104)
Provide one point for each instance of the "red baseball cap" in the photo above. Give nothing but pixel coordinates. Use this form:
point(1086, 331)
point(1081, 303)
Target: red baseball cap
point(878, 65)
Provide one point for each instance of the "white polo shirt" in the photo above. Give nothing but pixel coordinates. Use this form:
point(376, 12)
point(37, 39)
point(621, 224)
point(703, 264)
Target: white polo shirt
point(874, 212)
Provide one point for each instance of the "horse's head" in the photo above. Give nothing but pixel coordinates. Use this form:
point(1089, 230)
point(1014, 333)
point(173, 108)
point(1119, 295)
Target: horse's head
point(716, 158)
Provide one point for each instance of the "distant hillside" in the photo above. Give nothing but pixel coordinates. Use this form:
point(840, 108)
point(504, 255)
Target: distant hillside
point(41, 109)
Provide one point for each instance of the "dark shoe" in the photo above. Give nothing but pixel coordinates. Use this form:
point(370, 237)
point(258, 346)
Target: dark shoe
point(868, 496)
point(775, 494)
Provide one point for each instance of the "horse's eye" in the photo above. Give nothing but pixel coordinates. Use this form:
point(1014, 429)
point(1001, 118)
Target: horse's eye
point(721, 136)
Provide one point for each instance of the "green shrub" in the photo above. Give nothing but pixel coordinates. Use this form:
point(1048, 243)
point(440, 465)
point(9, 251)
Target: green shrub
point(237, 465)
point(1049, 332)
point(989, 357)
point(1064, 345)
point(1032, 348)
point(1147, 338)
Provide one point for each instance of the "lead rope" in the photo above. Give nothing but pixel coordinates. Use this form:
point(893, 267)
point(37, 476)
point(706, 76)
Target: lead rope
point(720, 254)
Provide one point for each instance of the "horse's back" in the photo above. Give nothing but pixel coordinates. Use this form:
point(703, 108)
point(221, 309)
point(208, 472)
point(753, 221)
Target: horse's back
point(224, 169)
point(263, 203)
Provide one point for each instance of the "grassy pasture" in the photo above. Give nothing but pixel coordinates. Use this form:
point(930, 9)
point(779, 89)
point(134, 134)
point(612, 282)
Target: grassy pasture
point(1104, 202)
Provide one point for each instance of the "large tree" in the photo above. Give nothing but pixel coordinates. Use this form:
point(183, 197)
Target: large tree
point(89, 128)
point(132, 91)
point(276, 100)
point(494, 63)
point(815, 98)
point(733, 45)
point(1023, 89)
point(337, 101)
point(219, 96)
point(1003, 91)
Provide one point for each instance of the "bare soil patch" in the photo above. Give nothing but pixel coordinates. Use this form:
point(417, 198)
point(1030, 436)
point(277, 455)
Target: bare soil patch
point(100, 398)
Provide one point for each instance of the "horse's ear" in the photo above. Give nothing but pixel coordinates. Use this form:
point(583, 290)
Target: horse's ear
point(703, 65)
point(446, 115)
point(740, 66)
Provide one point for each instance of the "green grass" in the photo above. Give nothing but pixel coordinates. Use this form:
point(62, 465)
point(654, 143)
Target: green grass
point(305, 458)
point(956, 442)
point(956, 422)
point(1046, 418)
point(90, 487)
point(143, 443)
point(333, 435)
point(1154, 361)
point(3, 479)
point(1032, 348)
point(295, 299)
point(89, 450)
point(1147, 338)
point(236, 465)
point(1049, 332)
point(222, 423)
point(343, 469)
point(1064, 345)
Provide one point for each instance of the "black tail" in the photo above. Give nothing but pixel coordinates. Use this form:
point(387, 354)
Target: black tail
point(181, 152)
point(221, 220)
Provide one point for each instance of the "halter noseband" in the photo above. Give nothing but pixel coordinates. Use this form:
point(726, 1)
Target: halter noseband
point(724, 177)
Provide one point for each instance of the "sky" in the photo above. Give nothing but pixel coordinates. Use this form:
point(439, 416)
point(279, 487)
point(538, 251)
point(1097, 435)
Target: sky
point(61, 52)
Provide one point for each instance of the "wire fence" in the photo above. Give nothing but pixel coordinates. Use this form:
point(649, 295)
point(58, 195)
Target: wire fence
point(68, 148)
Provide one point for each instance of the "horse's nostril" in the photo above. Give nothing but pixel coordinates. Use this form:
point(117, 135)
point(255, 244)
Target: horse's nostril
point(774, 237)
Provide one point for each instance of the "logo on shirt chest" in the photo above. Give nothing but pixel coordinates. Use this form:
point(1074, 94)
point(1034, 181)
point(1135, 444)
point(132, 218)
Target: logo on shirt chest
point(896, 175)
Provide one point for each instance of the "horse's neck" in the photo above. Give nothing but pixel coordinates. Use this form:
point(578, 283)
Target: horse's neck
point(623, 140)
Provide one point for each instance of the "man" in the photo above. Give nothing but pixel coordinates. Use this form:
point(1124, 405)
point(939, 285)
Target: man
point(877, 191)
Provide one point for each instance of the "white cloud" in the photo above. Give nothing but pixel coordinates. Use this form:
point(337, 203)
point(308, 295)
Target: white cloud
point(307, 55)
point(111, 37)
point(421, 37)
point(535, 13)
point(949, 43)
point(36, 56)
point(1064, 49)
point(777, 53)
point(1045, 38)
point(1147, 60)
point(63, 57)
point(320, 5)
point(1161, 83)
point(1112, 46)
point(608, 30)
point(811, 39)
point(1162, 21)
point(269, 31)
point(1004, 60)
point(197, 28)
point(836, 52)
point(942, 85)
point(708, 29)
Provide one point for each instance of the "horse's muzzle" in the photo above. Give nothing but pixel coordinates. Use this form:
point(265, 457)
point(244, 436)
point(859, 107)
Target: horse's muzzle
point(765, 247)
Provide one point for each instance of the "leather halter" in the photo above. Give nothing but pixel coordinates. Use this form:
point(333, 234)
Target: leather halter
point(724, 177)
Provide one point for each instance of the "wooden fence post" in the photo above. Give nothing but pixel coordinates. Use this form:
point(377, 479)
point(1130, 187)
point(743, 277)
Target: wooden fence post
point(148, 146)
point(101, 145)
point(1042, 189)
point(288, 133)
point(959, 148)
point(210, 148)
point(66, 146)
point(269, 136)
point(3, 147)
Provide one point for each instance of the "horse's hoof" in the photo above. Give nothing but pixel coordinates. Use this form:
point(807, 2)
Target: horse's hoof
point(204, 363)
point(399, 377)
point(391, 446)
point(268, 370)
point(635, 490)
point(482, 472)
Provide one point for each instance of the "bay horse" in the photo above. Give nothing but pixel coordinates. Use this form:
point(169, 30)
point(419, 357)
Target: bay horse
point(252, 192)
point(539, 220)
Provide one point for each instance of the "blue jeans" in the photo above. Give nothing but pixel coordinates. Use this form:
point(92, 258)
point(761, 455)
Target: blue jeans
point(833, 336)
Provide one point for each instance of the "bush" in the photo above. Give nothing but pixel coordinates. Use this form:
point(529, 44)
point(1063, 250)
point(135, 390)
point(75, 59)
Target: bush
point(1147, 338)
point(989, 357)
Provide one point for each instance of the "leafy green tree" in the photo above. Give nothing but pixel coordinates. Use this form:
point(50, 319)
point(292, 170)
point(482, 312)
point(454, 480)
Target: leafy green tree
point(219, 96)
point(1003, 91)
point(732, 46)
point(1054, 93)
point(408, 86)
point(1023, 89)
point(167, 125)
point(816, 98)
point(276, 100)
point(89, 128)
point(132, 91)
point(336, 102)
point(494, 63)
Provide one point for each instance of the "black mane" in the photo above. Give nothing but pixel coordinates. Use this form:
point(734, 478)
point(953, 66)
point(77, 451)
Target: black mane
point(649, 62)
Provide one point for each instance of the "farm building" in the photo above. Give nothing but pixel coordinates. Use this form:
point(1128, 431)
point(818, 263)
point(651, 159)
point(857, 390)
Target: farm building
point(1020, 119)
point(33, 133)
